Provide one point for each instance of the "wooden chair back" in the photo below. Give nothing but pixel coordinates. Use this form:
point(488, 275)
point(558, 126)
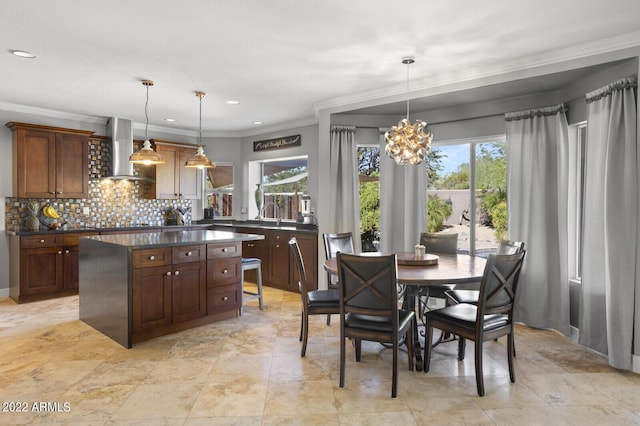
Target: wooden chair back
point(445, 243)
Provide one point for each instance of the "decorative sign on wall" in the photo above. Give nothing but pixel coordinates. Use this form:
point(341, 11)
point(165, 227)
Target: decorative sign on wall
point(278, 143)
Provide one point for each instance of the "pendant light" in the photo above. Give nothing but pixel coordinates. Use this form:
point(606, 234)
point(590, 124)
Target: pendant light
point(408, 143)
point(199, 160)
point(146, 155)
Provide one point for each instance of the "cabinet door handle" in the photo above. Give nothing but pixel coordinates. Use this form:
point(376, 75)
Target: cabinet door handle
point(188, 253)
point(225, 298)
point(277, 237)
point(60, 252)
point(176, 273)
point(66, 252)
point(224, 271)
point(224, 250)
point(52, 192)
point(277, 245)
point(41, 241)
point(152, 257)
point(168, 273)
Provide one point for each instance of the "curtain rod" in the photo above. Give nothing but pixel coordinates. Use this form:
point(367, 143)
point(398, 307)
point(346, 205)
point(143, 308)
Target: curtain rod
point(433, 122)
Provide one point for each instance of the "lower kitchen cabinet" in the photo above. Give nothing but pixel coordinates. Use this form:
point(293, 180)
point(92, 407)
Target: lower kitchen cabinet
point(224, 291)
point(278, 264)
point(44, 266)
point(169, 286)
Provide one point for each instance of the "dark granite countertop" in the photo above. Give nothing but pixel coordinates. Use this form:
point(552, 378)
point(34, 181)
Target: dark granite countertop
point(169, 239)
point(263, 224)
point(69, 228)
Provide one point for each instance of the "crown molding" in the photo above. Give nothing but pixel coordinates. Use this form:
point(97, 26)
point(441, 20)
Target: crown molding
point(518, 65)
point(44, 112)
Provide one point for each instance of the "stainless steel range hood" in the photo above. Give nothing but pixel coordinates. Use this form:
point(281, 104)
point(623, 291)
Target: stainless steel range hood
point(120, 131)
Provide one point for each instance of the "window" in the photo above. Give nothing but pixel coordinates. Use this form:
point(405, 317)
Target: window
point(219, 191)
point(577, 142)
point(285, 183)
point(369, 178)
point(467, 192)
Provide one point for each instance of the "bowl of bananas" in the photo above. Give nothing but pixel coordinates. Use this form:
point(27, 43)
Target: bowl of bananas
point(50, 218)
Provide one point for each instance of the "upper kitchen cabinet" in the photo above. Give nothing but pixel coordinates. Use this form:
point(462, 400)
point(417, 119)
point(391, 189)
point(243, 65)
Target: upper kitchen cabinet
point(49, 162)
point(173, 180)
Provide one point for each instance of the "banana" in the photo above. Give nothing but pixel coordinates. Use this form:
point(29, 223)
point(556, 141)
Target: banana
point(50, 212)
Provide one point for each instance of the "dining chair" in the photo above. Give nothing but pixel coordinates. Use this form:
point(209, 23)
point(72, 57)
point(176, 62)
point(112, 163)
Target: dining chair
point(438, 243)
point(314, 302)
point(334, 243)
point(471, 296)
point(369, 308)
point(491, 318)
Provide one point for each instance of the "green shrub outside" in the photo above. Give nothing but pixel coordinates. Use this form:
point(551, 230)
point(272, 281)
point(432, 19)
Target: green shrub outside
point(499, 220)
point(438, 210)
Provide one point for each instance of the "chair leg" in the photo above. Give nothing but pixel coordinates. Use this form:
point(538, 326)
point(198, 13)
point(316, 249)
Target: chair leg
point(410, 348)
point(342, 357)
point(462, 346)
point(511, 353)
point(241, 291)
point(259, 279)
point(427, 345)
point(328, 319)
point(479, 372)
point(301, 324)
point(394, 377)
point(358, 350)
point(305, 334)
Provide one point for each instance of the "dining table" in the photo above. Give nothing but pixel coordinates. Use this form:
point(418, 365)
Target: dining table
point(417, 272)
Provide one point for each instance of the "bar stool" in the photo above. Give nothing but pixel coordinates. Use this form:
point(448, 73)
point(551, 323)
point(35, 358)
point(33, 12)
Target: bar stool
point(249, 263)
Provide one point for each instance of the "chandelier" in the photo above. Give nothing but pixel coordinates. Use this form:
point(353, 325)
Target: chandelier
point(146, 155)
point(408, 143)
point(199, 160)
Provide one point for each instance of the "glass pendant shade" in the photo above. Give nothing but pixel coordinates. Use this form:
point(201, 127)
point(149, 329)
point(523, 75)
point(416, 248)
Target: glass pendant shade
point(146, 156)
point(199, 160)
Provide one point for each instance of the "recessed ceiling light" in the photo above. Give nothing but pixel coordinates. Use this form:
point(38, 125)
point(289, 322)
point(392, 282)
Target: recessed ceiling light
point(233, 102)
point(170, 120)
point(257, 123)
point(22, 53)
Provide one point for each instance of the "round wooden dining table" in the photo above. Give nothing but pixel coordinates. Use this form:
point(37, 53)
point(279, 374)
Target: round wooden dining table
point(417, 273)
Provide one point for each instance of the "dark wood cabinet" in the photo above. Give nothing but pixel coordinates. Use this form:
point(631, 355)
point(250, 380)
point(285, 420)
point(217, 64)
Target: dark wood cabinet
point(224, 290)
point(169, 286)
point(278, 265)
point(278, 270)
point(173, 180)
point(308, 244)
point(49, 162)
point(44, 266)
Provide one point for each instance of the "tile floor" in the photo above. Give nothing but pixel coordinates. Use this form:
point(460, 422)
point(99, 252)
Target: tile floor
point(248, 371)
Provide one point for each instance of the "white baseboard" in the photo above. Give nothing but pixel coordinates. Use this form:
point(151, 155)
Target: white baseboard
point(4, 292)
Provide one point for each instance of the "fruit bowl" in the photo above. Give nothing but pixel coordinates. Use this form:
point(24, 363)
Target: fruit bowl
point(50, 218)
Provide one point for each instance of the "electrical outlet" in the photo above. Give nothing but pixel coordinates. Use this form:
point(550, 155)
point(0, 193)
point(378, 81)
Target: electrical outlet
point(86, 211)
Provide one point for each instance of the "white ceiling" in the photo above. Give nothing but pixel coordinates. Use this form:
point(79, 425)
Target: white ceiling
point(281, 59)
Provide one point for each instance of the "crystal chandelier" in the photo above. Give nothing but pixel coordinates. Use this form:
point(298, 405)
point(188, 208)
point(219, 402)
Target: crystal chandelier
point(199, 160)
point(146, 155)
point(408, 143)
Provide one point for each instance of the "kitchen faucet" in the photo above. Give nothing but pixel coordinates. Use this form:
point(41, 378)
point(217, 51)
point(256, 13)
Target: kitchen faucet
point(276, 208)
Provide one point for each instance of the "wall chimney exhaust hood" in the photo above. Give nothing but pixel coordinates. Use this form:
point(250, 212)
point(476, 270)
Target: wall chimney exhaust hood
point(120, 131)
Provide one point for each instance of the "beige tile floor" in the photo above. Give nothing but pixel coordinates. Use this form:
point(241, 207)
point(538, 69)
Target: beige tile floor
point(248, 371)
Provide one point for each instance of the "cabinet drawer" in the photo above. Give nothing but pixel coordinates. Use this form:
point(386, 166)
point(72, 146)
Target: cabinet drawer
point(223, 298)
point(223, 271)
point(187, 254)
point(215, 251)
point(151, 257)
point(33, 241)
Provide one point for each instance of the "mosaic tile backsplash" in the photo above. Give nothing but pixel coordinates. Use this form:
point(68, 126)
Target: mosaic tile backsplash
point(111, 203)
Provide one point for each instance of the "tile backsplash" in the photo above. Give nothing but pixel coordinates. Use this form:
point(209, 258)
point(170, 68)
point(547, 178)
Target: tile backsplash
point(111, 203)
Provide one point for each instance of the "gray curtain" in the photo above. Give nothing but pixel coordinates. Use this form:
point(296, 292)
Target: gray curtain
point(537, 194)
point(403, 203)
point(344, 210)
point(610, 225)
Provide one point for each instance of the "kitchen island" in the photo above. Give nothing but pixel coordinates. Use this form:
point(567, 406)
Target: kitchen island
point(133, 287)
